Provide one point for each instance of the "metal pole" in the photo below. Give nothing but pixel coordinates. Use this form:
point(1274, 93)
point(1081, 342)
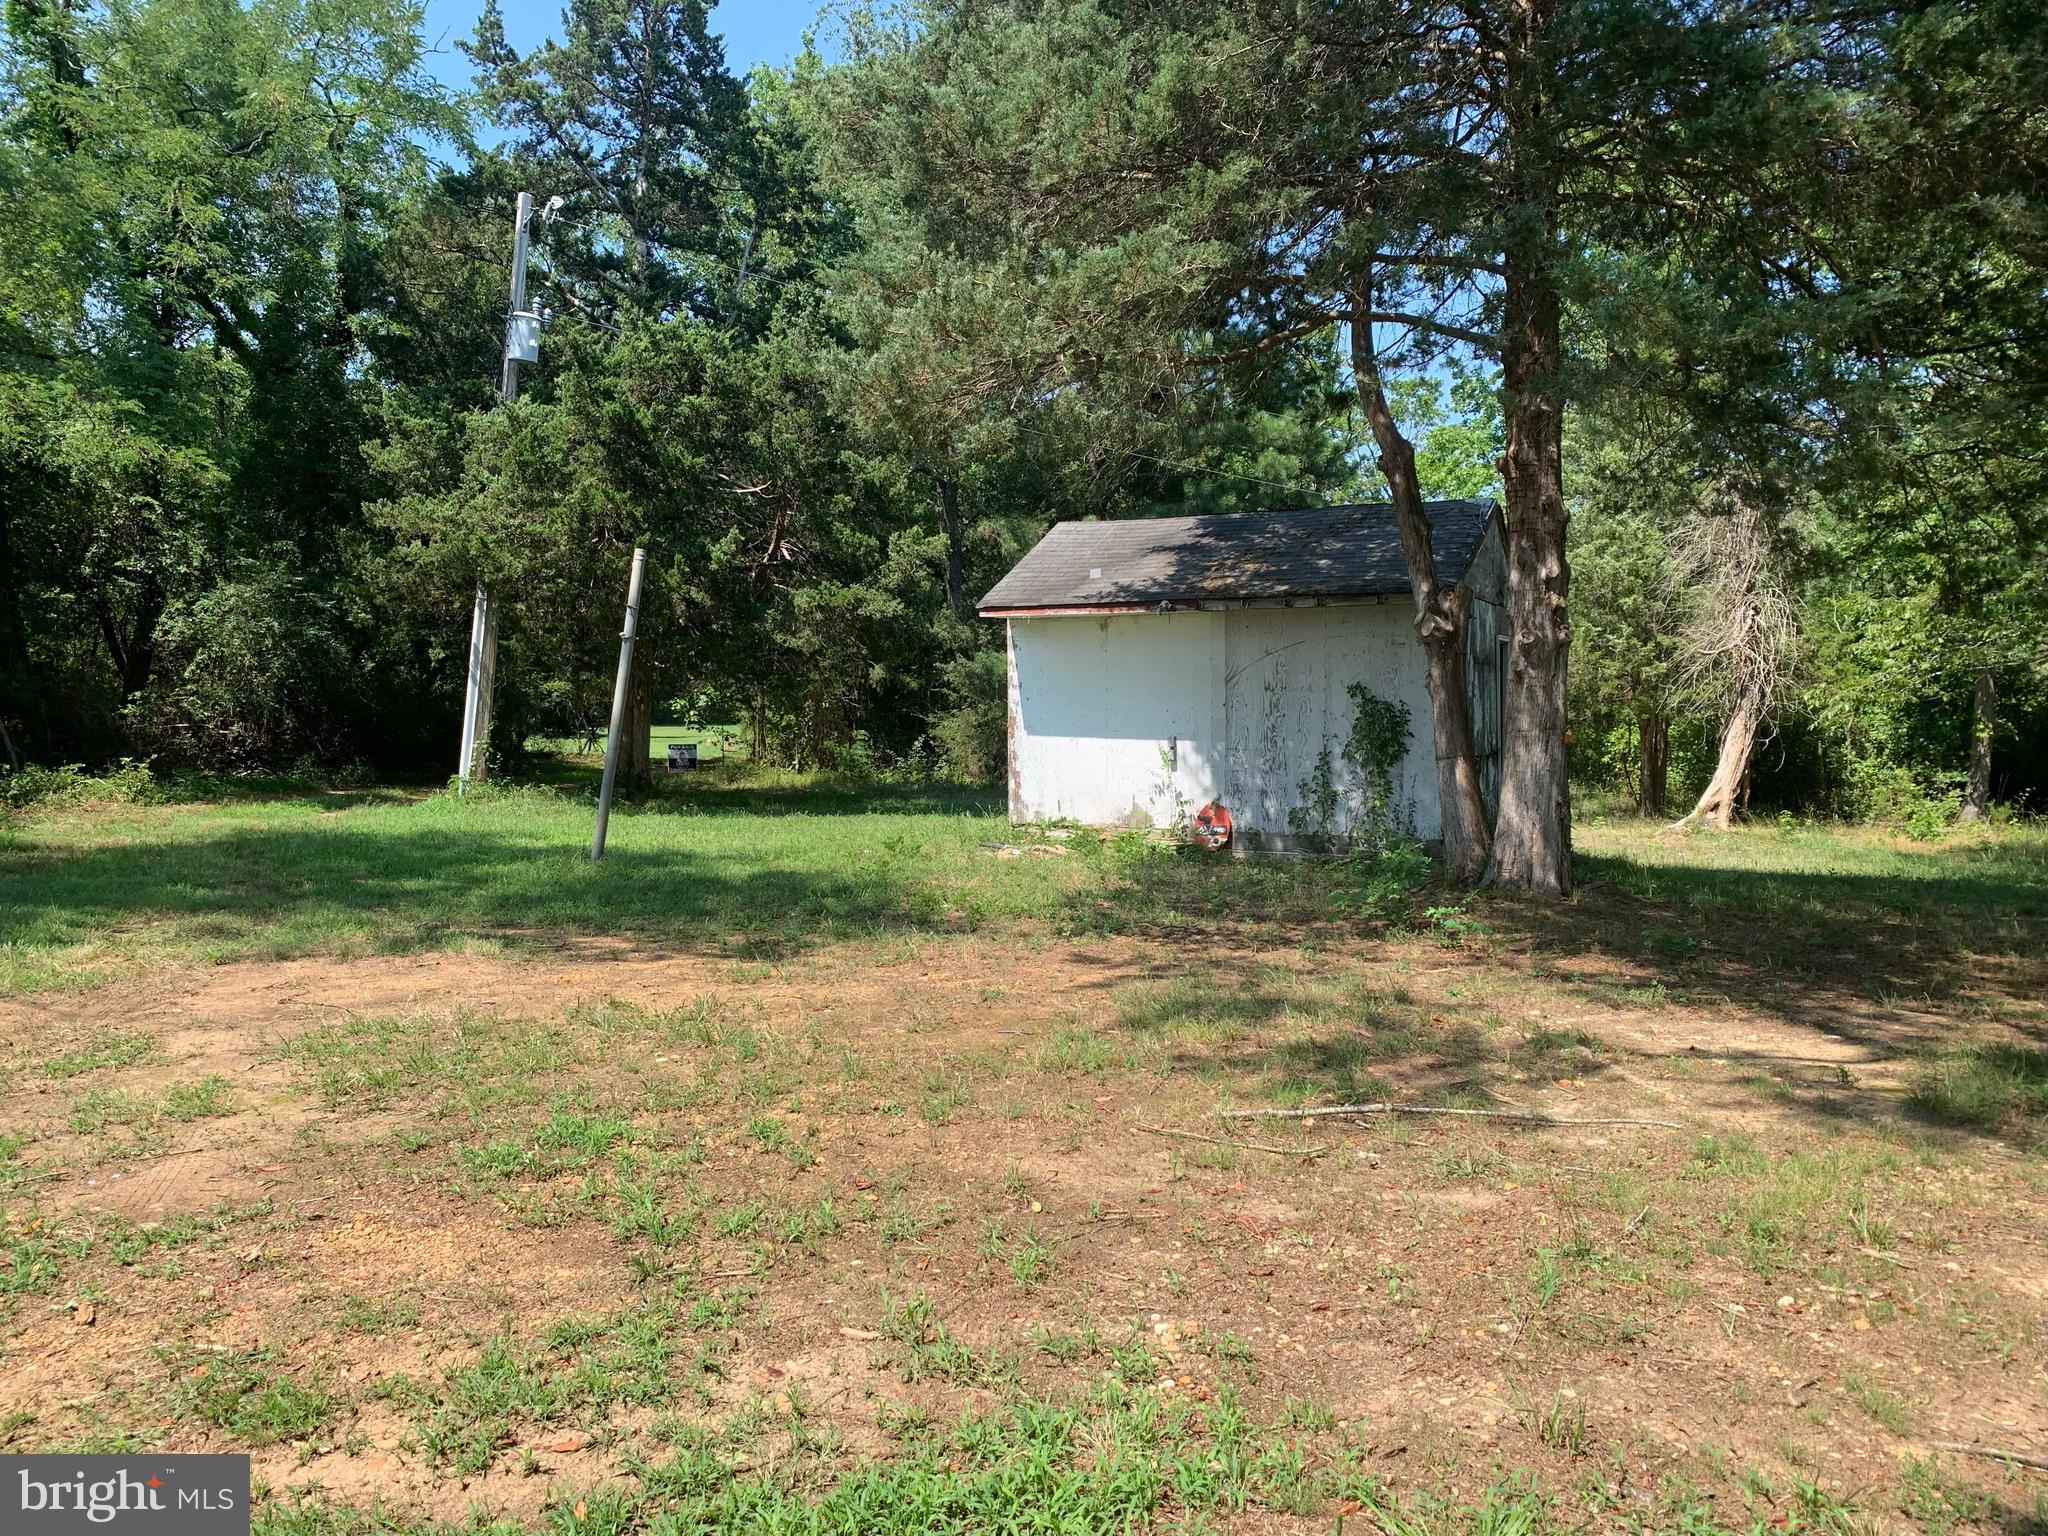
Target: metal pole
point(508, 381)
point(483, 629)
point(611, 746)
point(469, 691)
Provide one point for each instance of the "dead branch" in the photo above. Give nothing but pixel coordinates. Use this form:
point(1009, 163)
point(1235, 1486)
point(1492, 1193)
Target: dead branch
point(1386, 1108)
point(1992, 1452)
point(1224, 1141)
point(1738, 647)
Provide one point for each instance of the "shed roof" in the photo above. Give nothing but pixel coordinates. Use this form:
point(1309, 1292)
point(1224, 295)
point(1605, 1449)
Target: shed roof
point(1309, 553)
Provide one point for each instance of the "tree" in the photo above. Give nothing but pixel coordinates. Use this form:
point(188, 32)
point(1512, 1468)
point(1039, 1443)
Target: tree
point(1737, 648)
point(1427, 172)
point(634, 121)
point(195, 191)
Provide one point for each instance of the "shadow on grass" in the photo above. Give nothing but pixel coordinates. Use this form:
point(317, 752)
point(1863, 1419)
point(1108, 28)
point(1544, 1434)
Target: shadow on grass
point(317, 884)
point(1888, 963)
point(739, 787)
point(1928, 971)
point(1295, 1039)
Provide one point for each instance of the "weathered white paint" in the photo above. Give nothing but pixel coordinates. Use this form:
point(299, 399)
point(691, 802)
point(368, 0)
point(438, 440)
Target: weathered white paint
point(1115, 720)
point(1140, 719)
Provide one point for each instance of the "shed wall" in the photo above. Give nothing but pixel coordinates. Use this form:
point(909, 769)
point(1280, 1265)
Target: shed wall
point(1115, 720)
point(1140, 719)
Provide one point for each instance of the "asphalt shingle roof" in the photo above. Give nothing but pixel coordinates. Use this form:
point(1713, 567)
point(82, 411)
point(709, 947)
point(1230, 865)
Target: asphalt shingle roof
point(1347, 551)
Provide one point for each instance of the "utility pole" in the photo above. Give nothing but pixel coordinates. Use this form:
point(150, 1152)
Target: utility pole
point(522, 345)
point(611, 746)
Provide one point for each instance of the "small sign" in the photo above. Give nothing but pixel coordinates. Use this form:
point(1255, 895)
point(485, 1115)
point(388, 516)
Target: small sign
point(682, 756)
point(142, 1495)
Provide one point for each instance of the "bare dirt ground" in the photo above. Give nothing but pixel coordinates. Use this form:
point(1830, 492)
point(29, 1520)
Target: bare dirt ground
point(395, 1223)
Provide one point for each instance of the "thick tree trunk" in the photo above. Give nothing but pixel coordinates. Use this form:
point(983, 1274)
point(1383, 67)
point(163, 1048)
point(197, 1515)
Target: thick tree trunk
point(956, 544)
point(1653, 763)
point(1716, 808)
point(1440, 624)
point(1983, 723)
point(1532, 847)
point(1532, 833)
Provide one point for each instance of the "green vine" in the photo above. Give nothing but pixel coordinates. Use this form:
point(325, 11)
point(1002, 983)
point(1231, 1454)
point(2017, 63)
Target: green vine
point(1377, 742)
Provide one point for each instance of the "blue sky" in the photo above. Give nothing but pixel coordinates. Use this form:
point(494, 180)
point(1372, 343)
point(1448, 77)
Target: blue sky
point(756, 31)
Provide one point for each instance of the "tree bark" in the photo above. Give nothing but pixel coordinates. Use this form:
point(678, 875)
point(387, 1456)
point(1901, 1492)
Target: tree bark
point(1716, 808)
point(1653, 757)
point(1983, 723)
point(1532, 834)
point(1532, 847)
point(132, 647)
point(636, 731)
point(956, 544)
point(1440, 621)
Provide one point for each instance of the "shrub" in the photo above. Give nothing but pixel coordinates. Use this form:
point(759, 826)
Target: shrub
point(71, 785)
point(973, 732)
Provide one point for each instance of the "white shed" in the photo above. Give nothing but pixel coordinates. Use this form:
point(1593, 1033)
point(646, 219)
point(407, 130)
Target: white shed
point(1159, 665)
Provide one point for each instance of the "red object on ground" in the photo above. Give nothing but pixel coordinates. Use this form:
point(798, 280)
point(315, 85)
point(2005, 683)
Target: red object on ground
point(1212, 825)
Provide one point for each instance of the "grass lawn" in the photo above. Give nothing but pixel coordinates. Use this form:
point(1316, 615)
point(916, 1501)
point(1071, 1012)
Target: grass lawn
point(713, 742)
point(836, 1158)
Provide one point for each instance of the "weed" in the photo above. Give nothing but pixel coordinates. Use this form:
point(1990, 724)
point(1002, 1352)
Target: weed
point(206, 1099)
point(1985, 1087)
point(945, 1094)
point(1938, 1501)
point(1301, 1413)
point(110, 1049)
point(1883, 1405)
point(1561, 1425)
point(1669, 943)
point(931, 1352)
point(389, 1314)
point(642, 1213)
point(1074, 1049)
point(251, 1394)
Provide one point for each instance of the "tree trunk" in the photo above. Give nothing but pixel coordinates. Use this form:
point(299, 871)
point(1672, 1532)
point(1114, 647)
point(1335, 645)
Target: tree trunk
point(636, 731)
point(132, 647)
point(1440, 622)
point(1532, 838)
point(1716, 808)
point(1983, 722)
point(956, 544)
point(1653, 755)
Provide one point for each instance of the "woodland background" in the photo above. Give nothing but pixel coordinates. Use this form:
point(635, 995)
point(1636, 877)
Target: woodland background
point(814, 348)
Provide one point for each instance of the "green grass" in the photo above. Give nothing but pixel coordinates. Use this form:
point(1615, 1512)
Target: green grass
point(253, 1396)
point(1066, 1425)
point(1827, 886)
point(109, 1049)
point(758, 863)
point(1986, 1087)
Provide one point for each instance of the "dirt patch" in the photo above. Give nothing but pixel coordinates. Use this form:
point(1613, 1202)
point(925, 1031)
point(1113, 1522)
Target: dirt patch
point(606, 1201)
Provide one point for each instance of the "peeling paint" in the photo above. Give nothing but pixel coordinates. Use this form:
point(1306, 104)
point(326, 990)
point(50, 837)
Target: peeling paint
point(1161, 713)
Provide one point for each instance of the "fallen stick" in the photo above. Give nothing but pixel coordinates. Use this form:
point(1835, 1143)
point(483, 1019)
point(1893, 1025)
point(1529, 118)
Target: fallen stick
point(1383, 1108)
point(1992, 1452)
point(1225, 1141)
